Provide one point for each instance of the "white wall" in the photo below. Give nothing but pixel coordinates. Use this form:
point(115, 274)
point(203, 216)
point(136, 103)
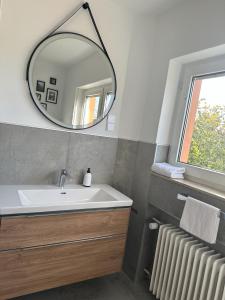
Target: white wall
point(189, 27)
point(136, 92)
point(85, 72)
point(24, 23)
point(142, 110)
point(43, 71)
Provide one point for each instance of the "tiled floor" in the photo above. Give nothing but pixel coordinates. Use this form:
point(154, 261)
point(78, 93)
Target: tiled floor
point(113, 287)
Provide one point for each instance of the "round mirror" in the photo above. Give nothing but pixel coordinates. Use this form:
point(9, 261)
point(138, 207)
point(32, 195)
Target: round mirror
point(71, 80)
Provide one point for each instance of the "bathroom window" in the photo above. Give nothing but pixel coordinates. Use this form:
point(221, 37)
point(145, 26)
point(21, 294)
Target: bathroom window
point(198, 141)
point(203, 137)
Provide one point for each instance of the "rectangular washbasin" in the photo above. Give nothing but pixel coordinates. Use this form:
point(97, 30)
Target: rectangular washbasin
point(55, 199)
point(60, 197)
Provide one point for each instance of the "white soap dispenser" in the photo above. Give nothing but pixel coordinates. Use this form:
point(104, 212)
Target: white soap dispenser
point(87, 178)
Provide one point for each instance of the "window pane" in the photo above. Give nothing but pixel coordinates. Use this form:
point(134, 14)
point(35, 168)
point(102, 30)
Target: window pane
point(203, 141)
point(91, 107)
point(108, 100)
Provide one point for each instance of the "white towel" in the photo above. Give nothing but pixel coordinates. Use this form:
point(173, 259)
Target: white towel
point(168, 170)
point(201, 220)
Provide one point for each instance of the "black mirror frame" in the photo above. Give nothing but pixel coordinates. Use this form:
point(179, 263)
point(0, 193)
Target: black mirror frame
point(30, 88)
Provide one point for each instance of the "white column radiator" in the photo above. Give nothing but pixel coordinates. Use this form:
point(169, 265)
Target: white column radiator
point(185, 269)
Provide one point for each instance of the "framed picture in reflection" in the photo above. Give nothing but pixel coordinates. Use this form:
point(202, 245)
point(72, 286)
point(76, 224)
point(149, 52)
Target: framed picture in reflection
point(38, 96)
point(40, 86)
point(44, 105)
point(52, 96)
point(53, 81)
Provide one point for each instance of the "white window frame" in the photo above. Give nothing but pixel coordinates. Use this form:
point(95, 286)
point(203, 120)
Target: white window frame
point(102, 91)
point(197, 174)
point(82, 93)
point(88, 93)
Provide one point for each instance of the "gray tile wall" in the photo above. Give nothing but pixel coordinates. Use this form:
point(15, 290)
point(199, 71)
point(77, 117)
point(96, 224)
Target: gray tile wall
point(153, 196)
point(132, 177)
point(161, 153)
point(162, 195)
point(163, 205)
point(34, 156)
point(125, 166)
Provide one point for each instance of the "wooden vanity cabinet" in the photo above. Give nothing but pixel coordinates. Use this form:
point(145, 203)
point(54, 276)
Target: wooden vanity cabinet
point(36, 230)
point(47, 251)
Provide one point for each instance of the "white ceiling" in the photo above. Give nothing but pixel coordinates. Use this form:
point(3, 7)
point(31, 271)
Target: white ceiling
point(148, 6)
point(67, 51)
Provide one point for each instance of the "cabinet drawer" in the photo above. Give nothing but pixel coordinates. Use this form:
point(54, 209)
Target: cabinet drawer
point(35, 269)
point(30, 231)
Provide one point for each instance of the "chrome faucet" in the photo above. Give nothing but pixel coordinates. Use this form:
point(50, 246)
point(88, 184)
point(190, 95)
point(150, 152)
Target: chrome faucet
point(62, 178)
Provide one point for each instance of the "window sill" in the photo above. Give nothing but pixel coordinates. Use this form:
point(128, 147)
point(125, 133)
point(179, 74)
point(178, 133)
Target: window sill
point(194, 185)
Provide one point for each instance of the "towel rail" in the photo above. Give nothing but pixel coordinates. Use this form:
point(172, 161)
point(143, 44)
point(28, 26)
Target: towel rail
point(154, 225)
point(184, 197)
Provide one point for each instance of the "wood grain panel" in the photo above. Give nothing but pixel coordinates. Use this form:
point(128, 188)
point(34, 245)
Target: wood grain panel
point(31, 270)
point(29, 231)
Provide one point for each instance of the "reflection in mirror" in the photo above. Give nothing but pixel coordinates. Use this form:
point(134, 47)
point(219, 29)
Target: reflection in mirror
point(74, 79)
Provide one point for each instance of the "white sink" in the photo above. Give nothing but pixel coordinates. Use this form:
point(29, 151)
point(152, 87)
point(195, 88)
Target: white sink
point(46, 199)
point(63, 197)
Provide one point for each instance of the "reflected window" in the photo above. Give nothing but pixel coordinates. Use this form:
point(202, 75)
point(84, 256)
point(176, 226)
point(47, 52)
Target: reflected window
point(108, 100)
point(68, 77)
point(91, 108)
point(92, 102)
